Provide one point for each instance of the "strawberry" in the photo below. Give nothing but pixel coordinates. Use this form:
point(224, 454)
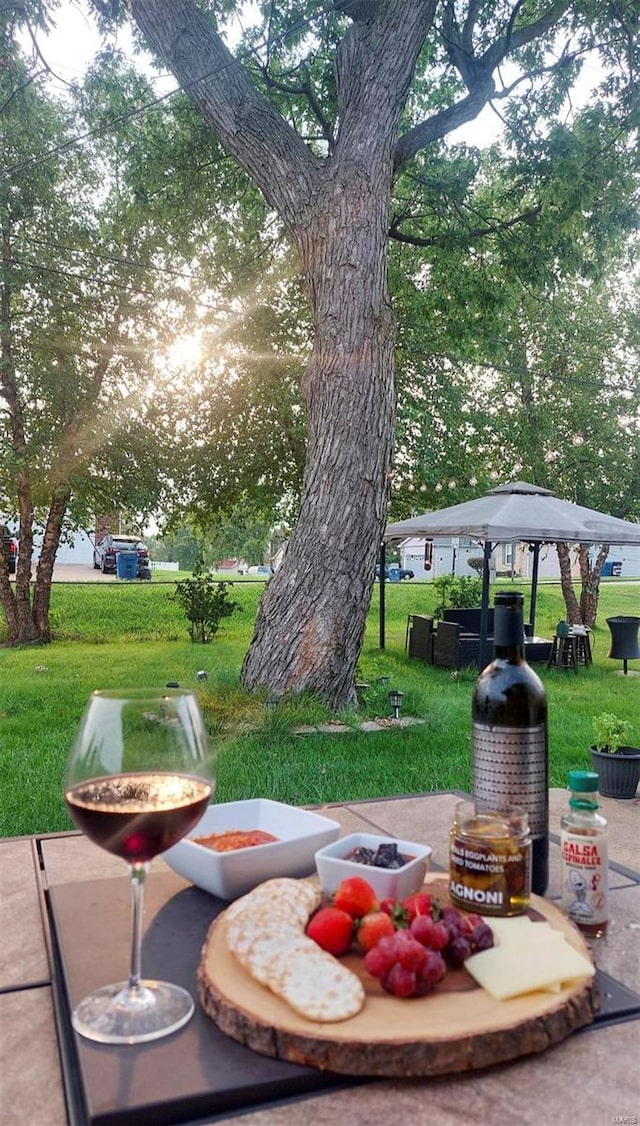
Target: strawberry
point(355, 896)
point(332, 929)
point(417, 904)
point(372, 928)
point(394, 909)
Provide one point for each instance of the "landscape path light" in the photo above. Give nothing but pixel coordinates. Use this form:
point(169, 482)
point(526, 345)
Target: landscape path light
point(395, 699)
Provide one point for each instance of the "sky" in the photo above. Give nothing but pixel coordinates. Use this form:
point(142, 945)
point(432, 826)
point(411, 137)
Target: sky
point(70, 47)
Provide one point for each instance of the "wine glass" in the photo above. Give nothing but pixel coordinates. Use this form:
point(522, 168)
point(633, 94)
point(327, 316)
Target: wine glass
point(139, 777)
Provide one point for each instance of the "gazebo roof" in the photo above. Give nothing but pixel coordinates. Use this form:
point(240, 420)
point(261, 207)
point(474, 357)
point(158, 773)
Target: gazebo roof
point(518, 511)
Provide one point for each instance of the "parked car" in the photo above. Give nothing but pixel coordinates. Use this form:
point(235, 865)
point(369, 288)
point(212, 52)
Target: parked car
point(405, 573)
point(105, 554)
point(10, 548)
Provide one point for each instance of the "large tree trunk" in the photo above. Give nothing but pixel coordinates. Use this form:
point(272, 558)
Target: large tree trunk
point(312, 617)
point(311, 621)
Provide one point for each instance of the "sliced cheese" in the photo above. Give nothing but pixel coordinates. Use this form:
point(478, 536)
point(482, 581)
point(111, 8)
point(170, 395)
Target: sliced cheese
point(507, 928)
point(510, 970)
point(520, 929)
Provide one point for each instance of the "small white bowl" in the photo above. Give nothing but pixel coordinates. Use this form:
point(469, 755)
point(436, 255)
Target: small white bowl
point(388, 883)
point(230, 874)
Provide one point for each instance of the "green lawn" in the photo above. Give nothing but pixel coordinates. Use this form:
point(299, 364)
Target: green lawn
point(113, 634)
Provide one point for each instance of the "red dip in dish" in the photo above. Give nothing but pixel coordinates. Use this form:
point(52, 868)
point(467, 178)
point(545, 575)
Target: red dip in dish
point(235, 838)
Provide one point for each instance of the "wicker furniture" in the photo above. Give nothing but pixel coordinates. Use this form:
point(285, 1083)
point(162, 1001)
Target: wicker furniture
point(468, 618)
point(453, 649)
point(420, 637)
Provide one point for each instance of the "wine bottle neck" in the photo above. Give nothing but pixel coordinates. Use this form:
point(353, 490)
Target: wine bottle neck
point(508, 633)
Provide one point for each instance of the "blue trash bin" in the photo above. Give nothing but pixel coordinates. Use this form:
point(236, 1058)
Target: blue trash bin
point(127, 564)
point(394, 574)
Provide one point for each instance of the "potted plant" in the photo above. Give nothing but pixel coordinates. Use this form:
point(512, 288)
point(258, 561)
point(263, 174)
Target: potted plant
point(616, 764)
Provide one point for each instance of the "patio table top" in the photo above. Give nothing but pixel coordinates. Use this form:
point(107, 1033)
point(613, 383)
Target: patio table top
point(590, 1078)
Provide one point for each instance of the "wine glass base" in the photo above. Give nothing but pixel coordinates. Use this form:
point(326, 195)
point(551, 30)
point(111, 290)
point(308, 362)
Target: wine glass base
point(116, 1014)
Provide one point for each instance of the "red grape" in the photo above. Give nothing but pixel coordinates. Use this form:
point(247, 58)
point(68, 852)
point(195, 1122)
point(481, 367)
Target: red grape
point(410, 953)
point(458, 950)
point(400, 981)
point(430, 934)
point(482, 937)
point(431, 973)
point(379, 960)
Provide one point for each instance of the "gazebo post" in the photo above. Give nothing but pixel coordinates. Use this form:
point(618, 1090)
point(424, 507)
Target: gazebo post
point(485, 656)
point(383, 559)
point(534, 587)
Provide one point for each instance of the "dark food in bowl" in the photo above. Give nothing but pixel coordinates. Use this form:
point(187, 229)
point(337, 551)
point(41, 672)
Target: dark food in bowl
point(384, 856)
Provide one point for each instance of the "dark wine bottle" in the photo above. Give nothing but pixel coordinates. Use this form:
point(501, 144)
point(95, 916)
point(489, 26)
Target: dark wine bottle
point(509, 742)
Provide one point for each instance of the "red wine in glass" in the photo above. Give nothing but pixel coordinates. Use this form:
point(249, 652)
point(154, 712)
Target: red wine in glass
point(139, 777)
point(138, 816)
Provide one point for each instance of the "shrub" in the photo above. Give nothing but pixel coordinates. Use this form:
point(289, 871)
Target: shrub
point(205, 603)
point(462, 591)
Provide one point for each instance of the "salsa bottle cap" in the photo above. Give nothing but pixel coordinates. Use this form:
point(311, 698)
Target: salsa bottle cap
point(582, 781)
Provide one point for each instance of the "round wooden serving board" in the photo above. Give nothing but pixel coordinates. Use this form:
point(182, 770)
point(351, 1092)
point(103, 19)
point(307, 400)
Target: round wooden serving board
point(458, 1027)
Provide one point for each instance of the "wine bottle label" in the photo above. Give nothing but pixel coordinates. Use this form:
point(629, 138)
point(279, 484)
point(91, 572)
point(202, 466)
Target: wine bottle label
point(584, 877)
point(510, 768)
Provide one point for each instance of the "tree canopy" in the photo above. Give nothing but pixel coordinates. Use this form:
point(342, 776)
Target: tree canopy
point(328, 137)
point(340, 114)
point(89, 293)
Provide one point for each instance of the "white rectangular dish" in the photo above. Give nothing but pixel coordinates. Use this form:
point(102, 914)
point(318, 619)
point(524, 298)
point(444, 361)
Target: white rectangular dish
point(300, 834)
point(388, 883)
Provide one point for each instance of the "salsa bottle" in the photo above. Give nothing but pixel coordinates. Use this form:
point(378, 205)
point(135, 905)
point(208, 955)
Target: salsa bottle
point(509, 734)
point(583, 843)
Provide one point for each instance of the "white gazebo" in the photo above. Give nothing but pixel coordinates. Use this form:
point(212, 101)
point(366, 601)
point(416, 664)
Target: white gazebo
point(513, 512)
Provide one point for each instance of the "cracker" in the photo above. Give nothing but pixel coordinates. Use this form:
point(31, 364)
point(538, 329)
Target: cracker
point(302, 897)
point(320, 988)
point(269, 957)
point(266, 933)
point(247, 929)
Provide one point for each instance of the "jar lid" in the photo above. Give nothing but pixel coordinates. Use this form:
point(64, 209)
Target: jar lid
point(582, 781)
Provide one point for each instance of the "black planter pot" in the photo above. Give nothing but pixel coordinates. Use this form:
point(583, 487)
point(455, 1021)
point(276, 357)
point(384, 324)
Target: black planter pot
point(618, 774)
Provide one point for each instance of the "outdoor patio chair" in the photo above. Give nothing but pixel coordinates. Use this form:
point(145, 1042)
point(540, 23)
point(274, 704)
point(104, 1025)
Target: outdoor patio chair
point(421, 637)
point(453, 651)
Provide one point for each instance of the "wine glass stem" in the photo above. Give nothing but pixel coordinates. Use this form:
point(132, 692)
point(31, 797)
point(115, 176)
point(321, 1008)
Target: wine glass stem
point(138, 876)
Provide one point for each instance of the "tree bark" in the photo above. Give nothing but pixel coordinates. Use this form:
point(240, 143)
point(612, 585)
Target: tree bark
point(46, 560)
point(583, 611)
point(566, 582)
point(16, 600)
point(310, 624)
point(27, 609)
point(590, 579)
